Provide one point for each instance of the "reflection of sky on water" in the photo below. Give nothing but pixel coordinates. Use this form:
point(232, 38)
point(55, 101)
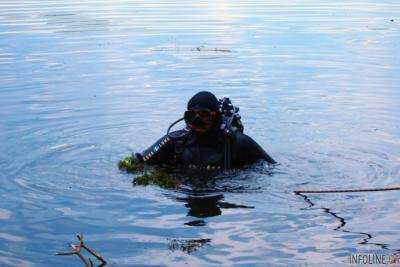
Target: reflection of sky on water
point(85, 82)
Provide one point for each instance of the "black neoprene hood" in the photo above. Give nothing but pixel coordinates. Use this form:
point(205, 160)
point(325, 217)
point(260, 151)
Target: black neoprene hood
point(203, 100)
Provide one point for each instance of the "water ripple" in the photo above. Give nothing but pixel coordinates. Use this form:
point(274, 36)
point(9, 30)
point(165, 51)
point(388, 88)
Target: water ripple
point(83, 83)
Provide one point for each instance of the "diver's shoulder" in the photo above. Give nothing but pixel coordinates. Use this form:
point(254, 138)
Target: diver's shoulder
point(243, 140)
point(242, 137)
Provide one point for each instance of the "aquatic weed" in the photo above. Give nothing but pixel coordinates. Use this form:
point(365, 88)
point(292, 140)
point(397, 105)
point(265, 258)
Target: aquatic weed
point(157, 177)
point(131, 165)
point(153, 176)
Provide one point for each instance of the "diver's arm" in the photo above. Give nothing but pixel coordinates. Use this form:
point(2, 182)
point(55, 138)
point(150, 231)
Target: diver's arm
point(249, 151)
point(159, 153)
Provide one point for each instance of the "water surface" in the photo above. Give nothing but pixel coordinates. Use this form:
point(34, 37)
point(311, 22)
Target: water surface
point(84, 83)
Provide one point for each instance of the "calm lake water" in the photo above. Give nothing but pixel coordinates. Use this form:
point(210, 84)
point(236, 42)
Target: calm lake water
point(85, 83)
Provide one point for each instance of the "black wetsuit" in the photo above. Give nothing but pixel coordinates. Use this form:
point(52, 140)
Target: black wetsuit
point(187, 149)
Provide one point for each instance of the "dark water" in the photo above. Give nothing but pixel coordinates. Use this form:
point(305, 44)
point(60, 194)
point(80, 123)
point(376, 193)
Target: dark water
point(84, 83)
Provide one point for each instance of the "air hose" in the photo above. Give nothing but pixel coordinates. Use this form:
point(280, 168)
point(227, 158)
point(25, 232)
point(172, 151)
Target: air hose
point(172, 125)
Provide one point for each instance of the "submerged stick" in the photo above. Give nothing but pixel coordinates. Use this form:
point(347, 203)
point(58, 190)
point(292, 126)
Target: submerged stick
point(88, 249)
point(76, 250)
point(346, 190)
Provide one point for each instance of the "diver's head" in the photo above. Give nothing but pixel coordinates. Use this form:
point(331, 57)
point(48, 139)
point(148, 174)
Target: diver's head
point(202, 112)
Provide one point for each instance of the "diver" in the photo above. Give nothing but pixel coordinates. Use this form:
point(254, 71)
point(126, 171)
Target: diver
point(212, 139)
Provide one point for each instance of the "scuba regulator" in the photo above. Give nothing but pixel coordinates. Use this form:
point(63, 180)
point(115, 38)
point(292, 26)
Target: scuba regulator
point(231, 123)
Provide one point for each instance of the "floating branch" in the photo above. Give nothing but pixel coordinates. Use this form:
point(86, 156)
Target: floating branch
point(346, 190)
point(76, 250)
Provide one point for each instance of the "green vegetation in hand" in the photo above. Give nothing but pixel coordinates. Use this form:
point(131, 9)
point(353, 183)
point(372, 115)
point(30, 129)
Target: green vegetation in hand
point(131, 164)
point(157, 177)
point(154, 176)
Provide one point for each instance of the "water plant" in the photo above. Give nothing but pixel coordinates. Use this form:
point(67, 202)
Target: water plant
point(158, 177)
point(147, 175)
point(131, 164)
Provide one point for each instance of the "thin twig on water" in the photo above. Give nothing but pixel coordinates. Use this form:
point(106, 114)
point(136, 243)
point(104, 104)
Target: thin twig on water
point(76, 250)
point(91, 251)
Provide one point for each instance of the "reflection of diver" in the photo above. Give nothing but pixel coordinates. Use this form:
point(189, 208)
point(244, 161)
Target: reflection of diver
point(203, 206)
point(213, 138)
